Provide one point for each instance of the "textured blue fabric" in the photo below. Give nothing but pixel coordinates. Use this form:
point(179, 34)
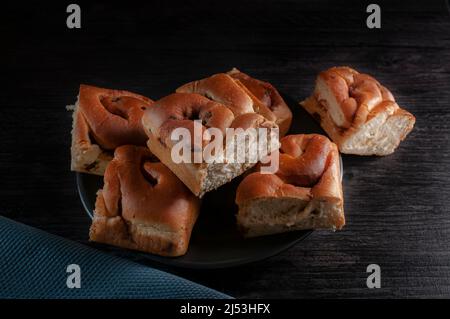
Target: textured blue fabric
point(33, 264)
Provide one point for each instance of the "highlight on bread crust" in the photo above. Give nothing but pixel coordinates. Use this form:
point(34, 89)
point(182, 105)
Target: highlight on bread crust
point(185, 110)
point(305, 193)
point(267, 95)
point(358, 113)
point(104, 119)
point(143, 205)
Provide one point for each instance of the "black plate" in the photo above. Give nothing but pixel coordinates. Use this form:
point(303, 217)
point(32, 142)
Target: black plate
point(215, 241)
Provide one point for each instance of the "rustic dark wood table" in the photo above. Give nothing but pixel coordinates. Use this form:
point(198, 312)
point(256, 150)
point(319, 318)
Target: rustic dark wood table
point(397, 207)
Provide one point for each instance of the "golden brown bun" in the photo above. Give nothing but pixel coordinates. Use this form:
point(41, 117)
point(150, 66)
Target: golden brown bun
point(143, 205)
point(305, 193)
point(87, 157)
point(180, 110)
point(358, 113)
point(231, 92)
point(103, 120)
point(267, 95)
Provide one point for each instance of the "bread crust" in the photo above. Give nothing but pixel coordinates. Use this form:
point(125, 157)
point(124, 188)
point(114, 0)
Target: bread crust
point(358, 113)
point(221, 88)
point(305, 193)
point(143, 205)
point(104, 119)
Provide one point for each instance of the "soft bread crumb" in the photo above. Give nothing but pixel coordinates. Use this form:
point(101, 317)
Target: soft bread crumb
point(379, 136)
point(276, 215)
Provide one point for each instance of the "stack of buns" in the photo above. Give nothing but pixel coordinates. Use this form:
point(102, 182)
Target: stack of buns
point(149, 202)
point(180, 110)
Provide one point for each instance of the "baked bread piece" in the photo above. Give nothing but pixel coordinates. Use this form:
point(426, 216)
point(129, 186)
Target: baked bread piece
point(268, 95)
point(305, 192)
point(181, 110)
point(358, 113)
point(103, 120)
point(224, 89)
point(143, 205)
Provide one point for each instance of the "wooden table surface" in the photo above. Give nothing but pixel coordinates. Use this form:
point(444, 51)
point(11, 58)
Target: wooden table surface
point(397, 207)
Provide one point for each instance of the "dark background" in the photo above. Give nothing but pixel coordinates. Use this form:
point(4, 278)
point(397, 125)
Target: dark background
point(397, 207)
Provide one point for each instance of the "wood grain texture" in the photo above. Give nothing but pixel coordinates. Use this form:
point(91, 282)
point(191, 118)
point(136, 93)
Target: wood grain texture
point(397, 207)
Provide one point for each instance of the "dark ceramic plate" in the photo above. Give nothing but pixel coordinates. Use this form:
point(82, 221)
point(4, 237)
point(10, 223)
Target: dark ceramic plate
point(215, 241)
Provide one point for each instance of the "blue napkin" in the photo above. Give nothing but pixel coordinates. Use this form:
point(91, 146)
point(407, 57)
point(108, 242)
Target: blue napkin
point(35, 264)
